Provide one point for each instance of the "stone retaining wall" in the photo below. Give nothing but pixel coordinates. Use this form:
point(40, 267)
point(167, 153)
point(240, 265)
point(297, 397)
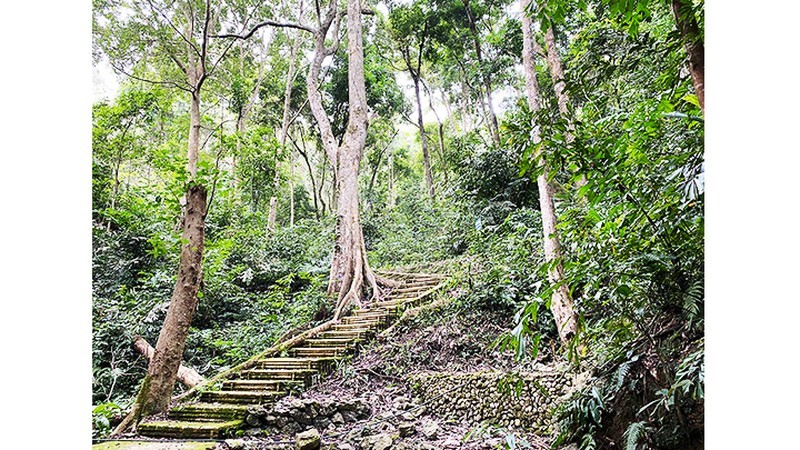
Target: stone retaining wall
point(516, 400)
point(292, 415)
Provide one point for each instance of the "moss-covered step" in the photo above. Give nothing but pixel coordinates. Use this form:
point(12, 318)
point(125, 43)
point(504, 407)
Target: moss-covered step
point(372, 312)
point(303, 375)
point(352, 327)
point(344, 334)
point(333, 342)
point(293, 363)
point(261, 385)
point(407, 291)
point(366, 321)
point(208, 412)
point(393, 303)
point(408, 275)
point(241, 397)
point(188, 429)
point(154, 445)
point(319, 351)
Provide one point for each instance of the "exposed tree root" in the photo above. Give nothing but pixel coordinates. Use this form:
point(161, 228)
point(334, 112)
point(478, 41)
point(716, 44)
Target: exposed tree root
point(350, 269)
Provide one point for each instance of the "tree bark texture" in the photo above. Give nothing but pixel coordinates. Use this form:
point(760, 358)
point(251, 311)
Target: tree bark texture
point(350, 269)
point(424, 139)
point(163, 369)
point(559, 86)
point(186, 375)
point(561, 305)
point(693, 42)
point(194, 135)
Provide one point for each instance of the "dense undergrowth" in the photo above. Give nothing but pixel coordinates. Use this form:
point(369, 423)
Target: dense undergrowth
point(632, 237)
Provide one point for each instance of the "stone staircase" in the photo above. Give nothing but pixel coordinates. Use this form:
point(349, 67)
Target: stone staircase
point(216, 413)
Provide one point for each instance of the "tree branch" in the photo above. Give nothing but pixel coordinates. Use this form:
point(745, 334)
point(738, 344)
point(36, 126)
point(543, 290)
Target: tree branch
point(167, 83)
point(172, 25)
point(266, 23)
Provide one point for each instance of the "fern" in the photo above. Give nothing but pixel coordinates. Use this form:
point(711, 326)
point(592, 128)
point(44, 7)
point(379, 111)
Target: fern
point(622, 373)
point(693, 301)
point(588, 443)
point(634, 434)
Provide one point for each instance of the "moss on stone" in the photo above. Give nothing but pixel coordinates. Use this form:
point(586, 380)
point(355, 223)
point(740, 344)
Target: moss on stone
point(125, 445)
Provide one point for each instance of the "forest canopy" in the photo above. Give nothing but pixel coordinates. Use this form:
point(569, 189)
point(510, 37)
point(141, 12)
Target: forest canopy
point(260, 165)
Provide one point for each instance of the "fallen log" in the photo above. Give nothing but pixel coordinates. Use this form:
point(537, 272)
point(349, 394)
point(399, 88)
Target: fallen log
point(186, 375)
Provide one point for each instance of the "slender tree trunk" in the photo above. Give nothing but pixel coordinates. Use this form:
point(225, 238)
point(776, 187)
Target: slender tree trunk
point(559, 86)
point(561, 305)
point(291, 188)
point(390, 187)
point(441, 135)
point(487, 79)
point(162, 372)
point(692, 41)
point(464, 112)
point(287, 100)
point(423, 137)
point(194, 135)
point(157, 386)
point(321, 187)
point(310, 175)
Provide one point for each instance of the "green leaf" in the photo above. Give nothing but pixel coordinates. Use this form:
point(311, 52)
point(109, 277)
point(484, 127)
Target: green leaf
point(691, 98)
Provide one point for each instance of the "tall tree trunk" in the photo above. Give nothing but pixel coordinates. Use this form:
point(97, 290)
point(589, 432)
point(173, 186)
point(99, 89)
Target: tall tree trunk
point(561, 305)
point(157, 387)
point(690, 33)
point(350, 270)
point(287, 100)
point(487, 79)
point(559, 86)
point(423, 137)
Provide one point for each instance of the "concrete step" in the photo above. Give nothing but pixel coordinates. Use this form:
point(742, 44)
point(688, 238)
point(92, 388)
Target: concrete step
point(319, 351)
point(177, 429)
point(332, 342)
point(241, 397)
point(368, 321)
point(303, 375)
point(371, 312)
point(261, 385)
point(343, 334)
point(293, 363)
point(354, 327)
point(410, 290)
point(207, 412)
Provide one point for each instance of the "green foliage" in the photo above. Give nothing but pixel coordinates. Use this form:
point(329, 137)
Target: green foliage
point(632, 234)
point(102, 415)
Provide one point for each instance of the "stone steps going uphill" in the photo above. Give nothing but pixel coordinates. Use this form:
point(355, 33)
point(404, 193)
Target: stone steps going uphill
point(219, 412)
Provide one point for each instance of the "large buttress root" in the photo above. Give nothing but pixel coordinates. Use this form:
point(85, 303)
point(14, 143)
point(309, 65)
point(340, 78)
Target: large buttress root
point(350, 269)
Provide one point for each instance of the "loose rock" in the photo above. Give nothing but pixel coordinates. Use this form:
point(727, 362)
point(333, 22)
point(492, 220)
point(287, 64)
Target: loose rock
point(308, 440)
